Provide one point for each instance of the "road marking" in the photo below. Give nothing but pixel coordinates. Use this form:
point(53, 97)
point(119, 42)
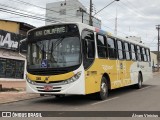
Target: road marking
point(144, 88)
point(105, 101)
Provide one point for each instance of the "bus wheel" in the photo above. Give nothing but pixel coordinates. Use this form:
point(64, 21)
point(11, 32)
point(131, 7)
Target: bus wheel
point(103, 93)
point(139, 84)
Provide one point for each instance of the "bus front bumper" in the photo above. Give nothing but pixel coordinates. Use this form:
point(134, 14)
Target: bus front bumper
point(75, 88)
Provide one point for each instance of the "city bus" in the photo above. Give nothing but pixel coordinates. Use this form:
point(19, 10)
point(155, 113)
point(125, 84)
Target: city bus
point(78, 59)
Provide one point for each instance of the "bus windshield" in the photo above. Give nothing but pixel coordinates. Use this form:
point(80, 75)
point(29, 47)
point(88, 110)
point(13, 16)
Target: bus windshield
point(54, 52)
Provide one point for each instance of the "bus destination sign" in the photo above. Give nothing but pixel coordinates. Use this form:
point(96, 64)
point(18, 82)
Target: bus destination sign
point(50, 31)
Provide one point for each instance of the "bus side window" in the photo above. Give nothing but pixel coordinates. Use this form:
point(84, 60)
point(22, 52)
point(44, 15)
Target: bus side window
point(138, 53)
point(88, 47)
point(142, 57)
point(144, 54)
point(126, 47)
point(111, 48)
point(120, 50)
point(148, 55)
point(133, 52)
point(101, 46)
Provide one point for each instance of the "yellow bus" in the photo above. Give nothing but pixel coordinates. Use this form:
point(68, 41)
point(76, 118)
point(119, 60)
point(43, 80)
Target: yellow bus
point(78, 59)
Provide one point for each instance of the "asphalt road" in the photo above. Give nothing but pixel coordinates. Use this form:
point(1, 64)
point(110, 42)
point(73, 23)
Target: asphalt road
point(124, 99)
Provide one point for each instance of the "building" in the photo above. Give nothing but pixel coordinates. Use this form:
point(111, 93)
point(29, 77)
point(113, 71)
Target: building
point(156, 56)
point(12, 65)
point(69, 11)
point(15, 26)
point(154, 59)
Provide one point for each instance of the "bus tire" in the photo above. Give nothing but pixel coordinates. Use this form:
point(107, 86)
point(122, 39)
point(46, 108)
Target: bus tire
point(103, 93)
point(139, 84)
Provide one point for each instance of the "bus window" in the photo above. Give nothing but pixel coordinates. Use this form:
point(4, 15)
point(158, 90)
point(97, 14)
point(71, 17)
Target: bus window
point(144, 54)
point(148, 54)
point(120, 50)
point(88, 38)
point(88, 48)
point(138, 53)
point(126, 46)
point(101, 46)
point(133, 52)
point(111, 48)
point(142, 57)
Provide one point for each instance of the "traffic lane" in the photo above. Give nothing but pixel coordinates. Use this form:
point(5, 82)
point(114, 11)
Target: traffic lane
point(67, 103)
point(139, 100)
point(47, 103)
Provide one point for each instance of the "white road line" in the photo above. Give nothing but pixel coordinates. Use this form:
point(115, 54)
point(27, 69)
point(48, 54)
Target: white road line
point(144, 88)
point(105, 101)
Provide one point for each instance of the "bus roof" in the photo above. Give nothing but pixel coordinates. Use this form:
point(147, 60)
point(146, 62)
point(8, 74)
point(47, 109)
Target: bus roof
point(98, 30)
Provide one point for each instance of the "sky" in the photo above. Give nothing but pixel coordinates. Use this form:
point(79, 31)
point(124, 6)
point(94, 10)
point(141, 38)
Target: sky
point(134, 17)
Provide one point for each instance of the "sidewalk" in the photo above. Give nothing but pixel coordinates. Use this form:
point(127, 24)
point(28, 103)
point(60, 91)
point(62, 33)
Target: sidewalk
point(14, 91)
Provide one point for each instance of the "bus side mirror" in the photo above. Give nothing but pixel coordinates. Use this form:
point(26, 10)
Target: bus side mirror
point(23, 47)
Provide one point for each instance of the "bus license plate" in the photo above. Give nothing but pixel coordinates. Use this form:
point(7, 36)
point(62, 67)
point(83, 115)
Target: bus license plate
point(48, 88)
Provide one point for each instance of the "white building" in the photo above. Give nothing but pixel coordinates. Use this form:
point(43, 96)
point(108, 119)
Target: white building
point(68, 11)
point(154, 59)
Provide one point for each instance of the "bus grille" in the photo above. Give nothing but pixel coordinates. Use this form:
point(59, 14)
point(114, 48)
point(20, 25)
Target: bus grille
point(55, 89)
point(49, 81)
point(49, 91)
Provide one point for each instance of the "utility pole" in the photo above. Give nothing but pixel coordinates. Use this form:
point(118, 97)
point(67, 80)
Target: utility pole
point(116, 23)
point(158, 56)
point(90, 15)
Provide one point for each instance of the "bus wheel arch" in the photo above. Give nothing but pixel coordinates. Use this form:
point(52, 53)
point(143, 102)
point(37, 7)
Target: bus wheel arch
point(106, 76)
point(140, 80)
point(104, 88)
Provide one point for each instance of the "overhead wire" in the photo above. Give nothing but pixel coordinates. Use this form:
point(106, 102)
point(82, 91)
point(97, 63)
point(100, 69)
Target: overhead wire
point(37, 6)
point(132, 10)
point(39, 18)
point(35, 14)
point(26, 15)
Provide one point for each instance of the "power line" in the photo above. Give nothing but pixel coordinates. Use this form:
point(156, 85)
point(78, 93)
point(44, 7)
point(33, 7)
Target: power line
point(26, 15)
point(48, 19)
point(105, 7)
point(113, 29)
point(26, 3)
point(132, 10)
point(33, 13)
point(7, 6)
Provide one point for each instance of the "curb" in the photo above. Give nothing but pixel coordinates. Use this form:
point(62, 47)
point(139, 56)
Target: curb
point(12, 101)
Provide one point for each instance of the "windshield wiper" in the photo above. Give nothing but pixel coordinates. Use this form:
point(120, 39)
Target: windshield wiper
point(58, 42)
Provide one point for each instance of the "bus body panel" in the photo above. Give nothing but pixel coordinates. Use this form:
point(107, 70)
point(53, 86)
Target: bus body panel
point(76, 87)
point(50, 78)
point(130, 70)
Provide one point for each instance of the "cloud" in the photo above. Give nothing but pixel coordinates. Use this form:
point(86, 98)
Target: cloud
point(135, 17)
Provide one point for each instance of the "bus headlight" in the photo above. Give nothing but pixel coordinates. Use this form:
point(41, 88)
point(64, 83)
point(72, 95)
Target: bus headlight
point(72, 79)
point(30, 81)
